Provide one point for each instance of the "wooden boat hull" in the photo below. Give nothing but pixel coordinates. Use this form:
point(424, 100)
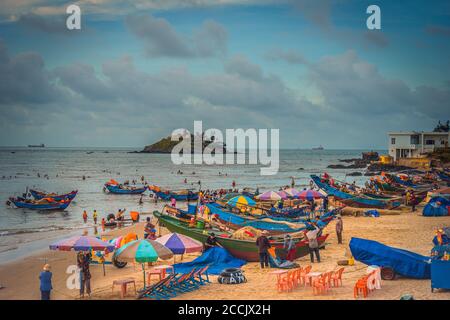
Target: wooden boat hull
point(47, 206)
point(242, 249)
point(40, 195)
point(235, 221)
point(352, 200)
point(179, 197)
point(117, 190)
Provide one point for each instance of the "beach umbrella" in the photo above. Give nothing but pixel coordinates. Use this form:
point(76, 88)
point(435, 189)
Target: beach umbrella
point(143, 251)
point(310, 195)
point(292, 192)
point(269, 195)
point(241, 201)
point(180, 244)
point(82, 243)
point(283, 194)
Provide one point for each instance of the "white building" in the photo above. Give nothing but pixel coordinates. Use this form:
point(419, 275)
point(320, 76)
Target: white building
point(415, 144)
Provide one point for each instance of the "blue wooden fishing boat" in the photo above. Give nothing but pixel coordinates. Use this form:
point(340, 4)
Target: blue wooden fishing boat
point(354, 200)
point(235, 221)
point(35, 205)
point(38, 195)
point(118, 189)
point(167, 195)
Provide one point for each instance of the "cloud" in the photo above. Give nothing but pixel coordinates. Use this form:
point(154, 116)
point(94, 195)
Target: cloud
point(162, 40)
point(240, 65)
point(120, 104)
point(53, 24)
point(377, 38)
point(289, 56)
point(24, 79)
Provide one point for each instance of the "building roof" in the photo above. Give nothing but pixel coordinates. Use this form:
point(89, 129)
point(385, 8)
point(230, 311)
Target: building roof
point(409, 133)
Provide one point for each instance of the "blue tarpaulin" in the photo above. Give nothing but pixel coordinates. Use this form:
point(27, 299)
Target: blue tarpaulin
point(405, 263)
point(436, 207)
point(217, 258)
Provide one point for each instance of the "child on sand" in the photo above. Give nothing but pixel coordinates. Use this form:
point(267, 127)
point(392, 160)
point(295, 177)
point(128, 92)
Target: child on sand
point(85, 216)
point(94, 216)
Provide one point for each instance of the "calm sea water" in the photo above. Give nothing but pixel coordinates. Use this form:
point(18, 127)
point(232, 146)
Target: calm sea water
point(66, 166)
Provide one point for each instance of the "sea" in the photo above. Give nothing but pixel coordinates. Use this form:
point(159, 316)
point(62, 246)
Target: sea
point(61, 170)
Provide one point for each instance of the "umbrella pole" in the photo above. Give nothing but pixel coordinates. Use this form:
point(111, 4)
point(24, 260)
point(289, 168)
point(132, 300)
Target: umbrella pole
point(104, 271)
point(143, 271)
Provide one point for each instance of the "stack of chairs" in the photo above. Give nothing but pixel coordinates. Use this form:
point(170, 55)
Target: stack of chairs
point(362, 286)
point(176, 284)
point(326, 281)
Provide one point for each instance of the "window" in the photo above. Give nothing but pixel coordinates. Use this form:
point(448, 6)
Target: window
point(429, 142)
point(442, 142)
point(392, 140)
point(415, 139)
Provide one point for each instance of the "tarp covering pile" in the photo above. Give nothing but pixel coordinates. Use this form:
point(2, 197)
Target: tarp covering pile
point(217, 258)
point(405, 263)
point(437, 207)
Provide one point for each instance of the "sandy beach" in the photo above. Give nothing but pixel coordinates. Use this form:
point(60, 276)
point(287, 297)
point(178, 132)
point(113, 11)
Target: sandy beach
point(408, 230)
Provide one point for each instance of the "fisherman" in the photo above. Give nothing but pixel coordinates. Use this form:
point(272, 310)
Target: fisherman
point(313, 244)
point(263, 245)
point(211, 241)
point(289, 246)
point(339, 228)
point(149, 228)
point(325, 203)
point(94, 216)
point(85, 216)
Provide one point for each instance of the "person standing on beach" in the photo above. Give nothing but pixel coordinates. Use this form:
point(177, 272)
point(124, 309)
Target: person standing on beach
point(339, 228)
point(313, 244)
point(263, 245)
point(173, 202)
point(325, 204)
point(289, 246)
point(292, 182)
point(94, 216)
point(233, 184)
point(85, 216)
point(46, 282)
point(85, 274)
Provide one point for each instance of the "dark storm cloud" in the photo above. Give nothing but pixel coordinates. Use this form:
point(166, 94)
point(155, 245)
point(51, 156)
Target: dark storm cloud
point(162, 40)
point(49, 24)
point(120, 104)
point(23, 78)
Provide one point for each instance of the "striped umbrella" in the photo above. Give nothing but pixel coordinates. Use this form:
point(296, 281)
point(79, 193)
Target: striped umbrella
point(283, 194)
point(241, 201)
point(310, 195)
point(82, 243)
point(269, 195)
point(180, 244)
point(143, 251)
point(292, 192)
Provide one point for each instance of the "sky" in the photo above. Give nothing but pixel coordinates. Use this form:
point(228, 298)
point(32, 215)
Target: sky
point(139, 69)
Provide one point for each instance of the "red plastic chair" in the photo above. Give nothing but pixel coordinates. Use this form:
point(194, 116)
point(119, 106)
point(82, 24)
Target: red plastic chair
point(336, 277)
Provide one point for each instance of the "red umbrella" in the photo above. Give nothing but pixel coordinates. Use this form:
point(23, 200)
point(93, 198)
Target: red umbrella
point(310, 195)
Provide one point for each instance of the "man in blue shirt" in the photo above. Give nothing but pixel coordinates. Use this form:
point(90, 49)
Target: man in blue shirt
point(46, 282)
